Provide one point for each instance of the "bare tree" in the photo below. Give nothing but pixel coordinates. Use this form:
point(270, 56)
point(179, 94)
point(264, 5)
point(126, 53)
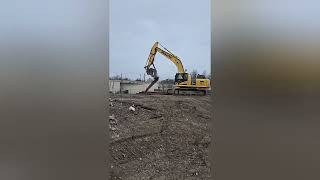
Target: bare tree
point(167, 83)
point(116, 77)
point(204, 73)
point(149, 80)
point(194, 73)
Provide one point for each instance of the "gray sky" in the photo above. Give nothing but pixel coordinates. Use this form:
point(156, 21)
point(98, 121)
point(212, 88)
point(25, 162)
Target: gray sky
point(182, 26)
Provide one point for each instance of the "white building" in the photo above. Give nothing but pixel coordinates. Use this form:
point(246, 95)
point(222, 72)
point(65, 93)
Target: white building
point(129, 87)
point(114, 86)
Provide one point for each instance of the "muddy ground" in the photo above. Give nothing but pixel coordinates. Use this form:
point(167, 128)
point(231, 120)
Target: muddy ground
point(166, 137)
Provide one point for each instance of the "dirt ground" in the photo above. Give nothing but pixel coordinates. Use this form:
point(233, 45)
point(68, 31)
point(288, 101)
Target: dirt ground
point(165, 137)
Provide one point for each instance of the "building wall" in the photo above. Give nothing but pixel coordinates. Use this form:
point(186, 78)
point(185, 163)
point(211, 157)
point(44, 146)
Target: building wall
point(114, 86)
point(136, 88)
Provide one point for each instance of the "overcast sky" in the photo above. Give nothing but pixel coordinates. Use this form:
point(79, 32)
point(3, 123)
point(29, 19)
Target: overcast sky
point(182, 26)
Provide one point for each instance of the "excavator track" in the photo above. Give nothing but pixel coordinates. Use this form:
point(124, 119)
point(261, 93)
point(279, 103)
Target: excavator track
point(185, 92)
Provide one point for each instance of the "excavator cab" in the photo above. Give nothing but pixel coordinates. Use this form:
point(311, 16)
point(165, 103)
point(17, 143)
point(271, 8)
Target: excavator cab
point(181, 77)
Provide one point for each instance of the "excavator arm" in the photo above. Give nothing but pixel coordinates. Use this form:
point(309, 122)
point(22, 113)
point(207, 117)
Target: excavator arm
point(165, 52)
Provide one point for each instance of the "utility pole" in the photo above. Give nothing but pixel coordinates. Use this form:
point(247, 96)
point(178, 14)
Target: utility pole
point(120, 82)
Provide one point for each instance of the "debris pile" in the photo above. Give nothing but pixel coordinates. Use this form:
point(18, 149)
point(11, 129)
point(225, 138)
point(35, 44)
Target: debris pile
point(131, 108)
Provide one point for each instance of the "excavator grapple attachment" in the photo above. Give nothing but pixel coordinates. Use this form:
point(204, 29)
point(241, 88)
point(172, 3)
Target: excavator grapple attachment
point(153, 73)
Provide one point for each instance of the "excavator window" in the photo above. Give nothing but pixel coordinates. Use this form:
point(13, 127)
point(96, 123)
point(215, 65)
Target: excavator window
point(181, 77)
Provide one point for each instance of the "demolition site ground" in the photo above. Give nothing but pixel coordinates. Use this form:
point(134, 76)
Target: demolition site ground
point(159, 137)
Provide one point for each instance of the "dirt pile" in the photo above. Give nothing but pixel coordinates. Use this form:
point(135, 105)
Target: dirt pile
point(164, 137)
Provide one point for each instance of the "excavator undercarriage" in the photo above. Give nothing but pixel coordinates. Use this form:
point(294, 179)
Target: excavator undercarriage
point(187, 91)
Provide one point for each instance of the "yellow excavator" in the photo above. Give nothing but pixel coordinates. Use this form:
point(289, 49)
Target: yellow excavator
point(184, 83)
